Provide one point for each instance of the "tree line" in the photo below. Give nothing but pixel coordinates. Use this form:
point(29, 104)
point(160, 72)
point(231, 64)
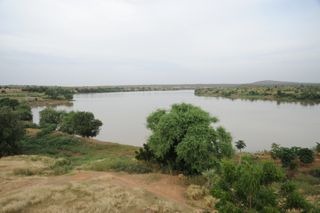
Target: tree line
point(15, 116)
point(302, 93)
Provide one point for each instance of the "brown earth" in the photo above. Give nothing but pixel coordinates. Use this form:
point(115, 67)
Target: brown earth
point(87, 191)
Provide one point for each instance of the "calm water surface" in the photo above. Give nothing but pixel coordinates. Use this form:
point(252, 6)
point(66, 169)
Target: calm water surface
point(258, 123)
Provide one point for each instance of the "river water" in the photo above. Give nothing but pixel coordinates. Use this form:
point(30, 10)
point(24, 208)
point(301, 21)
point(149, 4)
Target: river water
point(258, 123)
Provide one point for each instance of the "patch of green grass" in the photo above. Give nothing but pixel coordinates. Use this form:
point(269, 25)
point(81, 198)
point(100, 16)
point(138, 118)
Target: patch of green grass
point(77, 152)
point(120, 164)
point(308, 184)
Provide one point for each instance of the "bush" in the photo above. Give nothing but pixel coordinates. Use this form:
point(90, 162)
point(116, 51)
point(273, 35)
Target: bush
point(306, 155)
point(249, 187)
point(183, 139)
point(61, 166)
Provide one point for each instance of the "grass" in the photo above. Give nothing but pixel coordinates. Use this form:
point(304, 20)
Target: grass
point(89, 196)
point(72, 152)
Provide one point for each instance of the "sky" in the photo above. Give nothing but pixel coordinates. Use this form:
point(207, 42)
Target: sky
point(116, 42)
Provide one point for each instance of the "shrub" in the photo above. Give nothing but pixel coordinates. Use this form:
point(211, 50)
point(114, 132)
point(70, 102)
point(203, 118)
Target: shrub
point(306, 155)
point(249, 187)
point(61, 166)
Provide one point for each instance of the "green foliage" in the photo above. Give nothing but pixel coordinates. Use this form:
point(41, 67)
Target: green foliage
point(59, 93)
point(275, 150)
point(120, 164)
point(80, 123)
point(61, 166)
point(240, 144)
point(47, 129)
point(287, 156)
point(308, 94)
point(50, 117)
point(10, 103)
point(24, 112)
point(183, 139)
point(145, 154)
point(306, 155)
point(21, 109)
point(52, 92)
point(249, 187)
point(11, 131)
point(75, 152)
point(290, 157)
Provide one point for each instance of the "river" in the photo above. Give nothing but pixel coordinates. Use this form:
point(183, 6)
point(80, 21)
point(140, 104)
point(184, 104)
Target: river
point(258, 123)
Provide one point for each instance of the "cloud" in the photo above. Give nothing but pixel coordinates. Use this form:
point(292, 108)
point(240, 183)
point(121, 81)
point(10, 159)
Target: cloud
point(189, 38)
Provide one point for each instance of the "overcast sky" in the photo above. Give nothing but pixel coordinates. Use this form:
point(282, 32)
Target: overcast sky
point(108, 42)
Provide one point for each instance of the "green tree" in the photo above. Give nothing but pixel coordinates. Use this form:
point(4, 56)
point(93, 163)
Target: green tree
point(184, 139)
point(50, 117)
point(81, 123)
point(306, 155)
point(240, 144)
point(11, 131)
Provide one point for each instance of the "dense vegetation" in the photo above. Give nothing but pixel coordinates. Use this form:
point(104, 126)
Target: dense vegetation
point(22, 110)
point(253, 186)
point(79, 123)
point(13, 117)
point(52, 92)
point(11, 131)
point(183, 139)
point(301, 93)
point(291, 157)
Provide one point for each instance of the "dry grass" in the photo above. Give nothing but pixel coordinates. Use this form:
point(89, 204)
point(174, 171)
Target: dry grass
point(199, 197)
point(84, 191)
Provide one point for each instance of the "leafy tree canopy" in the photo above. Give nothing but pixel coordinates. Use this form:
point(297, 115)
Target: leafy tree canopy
point(184, 138)
point(80, 123)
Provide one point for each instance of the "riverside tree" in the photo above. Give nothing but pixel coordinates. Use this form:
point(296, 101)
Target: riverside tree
point(184, 139)
point(80, 123)
point(50, 117)
point(11, 131)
